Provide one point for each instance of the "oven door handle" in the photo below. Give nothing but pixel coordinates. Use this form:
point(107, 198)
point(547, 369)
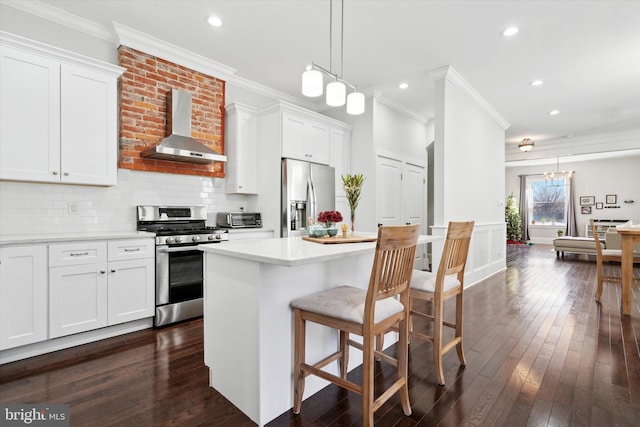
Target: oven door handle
point(178, 249)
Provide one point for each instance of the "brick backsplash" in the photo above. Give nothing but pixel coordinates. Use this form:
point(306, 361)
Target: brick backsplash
point(143, 113)
point(35, 209)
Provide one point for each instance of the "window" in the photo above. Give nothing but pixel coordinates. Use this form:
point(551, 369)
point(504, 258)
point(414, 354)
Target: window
point(547, 200)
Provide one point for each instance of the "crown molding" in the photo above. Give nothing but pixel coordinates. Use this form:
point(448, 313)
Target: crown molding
point(450, 74)
point(588, 144)
point(389, 103)
point(62, 17)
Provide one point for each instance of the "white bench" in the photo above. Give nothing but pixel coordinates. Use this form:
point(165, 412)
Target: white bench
point(576, 245)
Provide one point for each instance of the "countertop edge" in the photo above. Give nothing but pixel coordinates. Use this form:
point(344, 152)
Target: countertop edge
point(71, 237)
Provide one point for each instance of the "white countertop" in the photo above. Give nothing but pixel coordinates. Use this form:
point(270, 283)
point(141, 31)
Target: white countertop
point(9, 239)
point(293, 251)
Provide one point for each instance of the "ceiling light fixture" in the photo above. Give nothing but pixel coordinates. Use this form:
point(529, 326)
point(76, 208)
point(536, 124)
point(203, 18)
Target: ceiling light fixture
point(526, 145)
point(536, 83)
point(554, 112)
point(511, 31)
point(214, 21)
point(558, 174)
point(312, 78)
point(403, 85)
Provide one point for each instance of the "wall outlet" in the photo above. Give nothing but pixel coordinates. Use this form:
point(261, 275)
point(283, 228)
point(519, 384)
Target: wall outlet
point(73, 208)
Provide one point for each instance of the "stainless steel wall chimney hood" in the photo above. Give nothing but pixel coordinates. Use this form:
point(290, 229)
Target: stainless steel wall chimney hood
point(179, 146)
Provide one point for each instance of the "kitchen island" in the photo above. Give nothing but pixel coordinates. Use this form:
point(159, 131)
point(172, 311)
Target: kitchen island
point(248, 325)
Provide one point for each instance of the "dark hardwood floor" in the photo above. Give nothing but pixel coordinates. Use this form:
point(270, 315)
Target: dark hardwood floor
point(540, 352)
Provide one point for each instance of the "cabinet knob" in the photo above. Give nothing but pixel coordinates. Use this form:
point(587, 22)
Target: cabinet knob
point(66, 174)
point(55, 172)
point(407, 223)
point(102, 271)
point(113, 270)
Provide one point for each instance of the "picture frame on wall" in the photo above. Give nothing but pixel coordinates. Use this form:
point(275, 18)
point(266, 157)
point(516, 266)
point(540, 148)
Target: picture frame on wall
point(586, 210)
point(612, 199)
point(587, 200)
point(599, 205)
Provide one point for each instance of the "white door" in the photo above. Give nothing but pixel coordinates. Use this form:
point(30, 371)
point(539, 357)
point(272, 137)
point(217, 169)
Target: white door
point(388, 191)
point(29, 117)
point(23, 295)
point(77, 299)
point(131, 290)
point(413, 205)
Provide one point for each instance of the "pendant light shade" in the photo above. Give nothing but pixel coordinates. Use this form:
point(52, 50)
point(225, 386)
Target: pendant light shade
point(312, 84)
point(355, 103)
point(336, 94)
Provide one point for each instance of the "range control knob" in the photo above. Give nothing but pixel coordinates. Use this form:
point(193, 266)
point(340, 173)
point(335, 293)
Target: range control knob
point(211, 237)
point(170, 240)
point(218, 237)
point(178, 239)
point(195, 238)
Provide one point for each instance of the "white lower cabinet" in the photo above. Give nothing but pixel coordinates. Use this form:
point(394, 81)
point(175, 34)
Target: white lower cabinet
point(78, 299)
point(97, 283)
point(23, 295)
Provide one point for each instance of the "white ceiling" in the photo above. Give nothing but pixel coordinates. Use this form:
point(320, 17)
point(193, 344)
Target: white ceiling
point(587, 52)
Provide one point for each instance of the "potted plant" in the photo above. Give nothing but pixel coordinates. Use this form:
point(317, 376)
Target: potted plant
point(329, 218)
point(560, 233)
point(352, 185)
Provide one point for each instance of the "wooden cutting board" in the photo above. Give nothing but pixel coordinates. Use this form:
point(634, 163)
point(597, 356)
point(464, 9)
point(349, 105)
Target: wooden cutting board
point(340, 239)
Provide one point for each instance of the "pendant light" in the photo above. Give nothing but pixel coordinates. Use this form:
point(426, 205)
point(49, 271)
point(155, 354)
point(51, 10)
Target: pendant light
point(336, 94)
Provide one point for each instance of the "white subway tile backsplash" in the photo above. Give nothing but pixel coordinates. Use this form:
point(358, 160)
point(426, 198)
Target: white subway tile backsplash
point(32, 208)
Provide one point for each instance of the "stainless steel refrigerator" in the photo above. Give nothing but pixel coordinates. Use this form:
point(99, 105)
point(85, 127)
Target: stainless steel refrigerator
point(307, 189)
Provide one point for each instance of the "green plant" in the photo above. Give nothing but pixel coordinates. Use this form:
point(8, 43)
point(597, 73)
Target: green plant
point(352, 185)
point(512, 218)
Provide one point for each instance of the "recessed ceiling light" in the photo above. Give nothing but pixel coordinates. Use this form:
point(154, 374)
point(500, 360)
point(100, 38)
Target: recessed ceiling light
point(214, 21)
point(403, 85)
point(511, 31)
point(536, 83)
point(554, 112)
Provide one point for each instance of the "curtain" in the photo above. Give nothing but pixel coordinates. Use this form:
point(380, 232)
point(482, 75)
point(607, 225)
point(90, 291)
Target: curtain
point(524, 218)
point(572, 228)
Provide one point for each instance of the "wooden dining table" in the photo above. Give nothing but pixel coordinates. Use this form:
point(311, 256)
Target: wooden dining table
point(628, 237)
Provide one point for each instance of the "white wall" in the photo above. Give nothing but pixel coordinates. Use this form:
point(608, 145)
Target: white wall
point(468, 172)
point(619, 176)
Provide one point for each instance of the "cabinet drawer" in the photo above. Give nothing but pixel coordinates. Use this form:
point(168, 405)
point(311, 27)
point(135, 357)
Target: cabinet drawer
point(79, 253)
point(120, 250)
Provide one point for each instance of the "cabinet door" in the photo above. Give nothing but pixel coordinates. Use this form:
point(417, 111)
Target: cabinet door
point(131, 290)
point(77, 299)
point(340, 157)
point(23, 295)
point(317, 142)
point(293, 146)
point(89, 126)
point(29, 117)
point(241, 147)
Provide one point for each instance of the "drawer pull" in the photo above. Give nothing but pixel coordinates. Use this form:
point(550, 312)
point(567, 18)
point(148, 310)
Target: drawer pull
point(132, 250)
point(113, 270)
point(79, 254)
point(102, 271)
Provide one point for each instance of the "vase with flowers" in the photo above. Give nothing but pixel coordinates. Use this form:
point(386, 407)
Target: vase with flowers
point(352, 185)
point(329, 218)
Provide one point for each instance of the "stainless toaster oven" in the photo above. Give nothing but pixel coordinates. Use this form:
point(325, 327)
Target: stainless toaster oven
point(239, 219)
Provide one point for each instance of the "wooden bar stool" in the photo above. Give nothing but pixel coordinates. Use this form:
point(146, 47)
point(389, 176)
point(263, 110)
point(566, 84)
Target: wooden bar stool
point(366, 313)
point(447, 283)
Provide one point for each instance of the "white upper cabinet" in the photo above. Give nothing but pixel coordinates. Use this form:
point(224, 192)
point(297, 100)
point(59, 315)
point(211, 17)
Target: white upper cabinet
point(30, 117)
point(304, 138)
point(340, 156)
point(59, 115)
point(241, 138)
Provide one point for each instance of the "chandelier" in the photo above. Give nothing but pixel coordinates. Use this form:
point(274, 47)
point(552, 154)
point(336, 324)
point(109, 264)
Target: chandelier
point(526, 145)
point(558, 174)
point(312, 78)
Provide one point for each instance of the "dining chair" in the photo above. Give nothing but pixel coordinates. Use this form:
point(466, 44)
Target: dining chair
point(367, 313)
point(438, 287)
point(602, 256)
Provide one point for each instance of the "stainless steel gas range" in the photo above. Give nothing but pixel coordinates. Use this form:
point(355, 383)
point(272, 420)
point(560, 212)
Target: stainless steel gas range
point(179, 263)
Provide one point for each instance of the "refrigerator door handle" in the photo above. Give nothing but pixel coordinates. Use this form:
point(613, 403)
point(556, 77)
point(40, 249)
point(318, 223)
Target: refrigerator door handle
point(312, 199)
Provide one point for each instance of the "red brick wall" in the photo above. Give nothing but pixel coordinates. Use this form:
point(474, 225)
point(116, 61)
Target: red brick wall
point(143, 111)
